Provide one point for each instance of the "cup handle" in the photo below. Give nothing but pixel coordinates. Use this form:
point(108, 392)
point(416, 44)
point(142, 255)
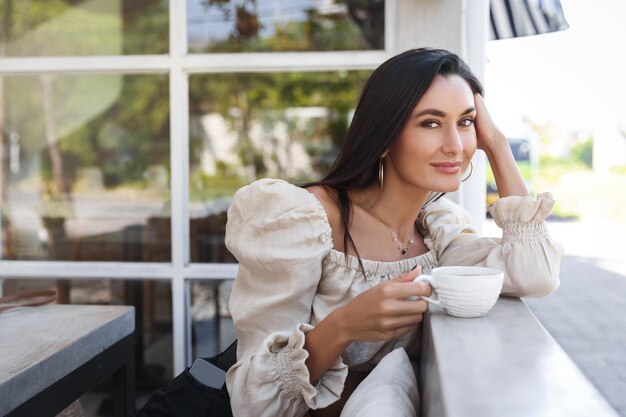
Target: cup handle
point(433, 299)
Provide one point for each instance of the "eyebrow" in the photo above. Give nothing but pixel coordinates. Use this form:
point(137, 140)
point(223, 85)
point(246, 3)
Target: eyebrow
point(439, 113)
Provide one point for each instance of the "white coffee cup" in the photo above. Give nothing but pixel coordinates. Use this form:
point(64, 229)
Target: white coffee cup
point(464, 291)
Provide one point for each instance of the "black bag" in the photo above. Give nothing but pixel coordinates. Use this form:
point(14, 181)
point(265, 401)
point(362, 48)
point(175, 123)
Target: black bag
point(186, 397)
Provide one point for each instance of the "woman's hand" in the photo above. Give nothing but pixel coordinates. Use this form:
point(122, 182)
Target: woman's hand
point(488, 136)
point(496, 146)
point(384, 312)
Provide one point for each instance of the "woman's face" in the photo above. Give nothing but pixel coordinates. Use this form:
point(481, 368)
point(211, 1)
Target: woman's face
point(436, 145)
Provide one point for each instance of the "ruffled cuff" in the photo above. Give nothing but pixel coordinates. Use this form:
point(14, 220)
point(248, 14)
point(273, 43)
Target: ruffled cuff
point(522, 218)
point(293, 376)
point(516, 209)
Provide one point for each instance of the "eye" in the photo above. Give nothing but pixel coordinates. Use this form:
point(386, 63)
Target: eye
point(430, 124)
point(467, 122)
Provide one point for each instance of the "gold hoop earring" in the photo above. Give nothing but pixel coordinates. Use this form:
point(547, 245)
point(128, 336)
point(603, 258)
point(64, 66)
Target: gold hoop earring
point(471, 171)
point(381, 174)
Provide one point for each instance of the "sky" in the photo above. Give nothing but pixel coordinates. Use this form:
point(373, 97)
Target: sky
point(575, 78)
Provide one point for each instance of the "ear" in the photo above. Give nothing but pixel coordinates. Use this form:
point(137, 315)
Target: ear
point(384, 155)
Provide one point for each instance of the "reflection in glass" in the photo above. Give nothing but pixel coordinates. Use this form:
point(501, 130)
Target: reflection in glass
point(85, 165)
point(249, 126)
point(212, 329)
point(153, 324)
point(83, 27)
point(285, 25)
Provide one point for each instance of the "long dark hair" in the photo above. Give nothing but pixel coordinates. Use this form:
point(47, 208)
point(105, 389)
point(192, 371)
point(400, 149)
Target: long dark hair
point(387, 100)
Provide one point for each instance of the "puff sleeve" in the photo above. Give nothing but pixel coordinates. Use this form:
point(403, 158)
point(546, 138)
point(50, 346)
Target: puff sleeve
point(279, 234)
point(529, 257)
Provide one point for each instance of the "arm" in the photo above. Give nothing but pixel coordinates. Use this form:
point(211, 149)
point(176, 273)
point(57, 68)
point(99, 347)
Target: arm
point(276, 233)
point(529, 257)
point(496, 146)
point(383, 312)
point(325, 343)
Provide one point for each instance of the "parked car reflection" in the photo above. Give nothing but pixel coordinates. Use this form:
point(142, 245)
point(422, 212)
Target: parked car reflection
point(525, 155)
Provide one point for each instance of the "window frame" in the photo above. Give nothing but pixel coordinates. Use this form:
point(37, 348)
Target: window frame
point(178, 65)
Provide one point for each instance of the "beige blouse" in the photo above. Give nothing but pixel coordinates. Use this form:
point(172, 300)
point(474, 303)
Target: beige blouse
point(290, 278)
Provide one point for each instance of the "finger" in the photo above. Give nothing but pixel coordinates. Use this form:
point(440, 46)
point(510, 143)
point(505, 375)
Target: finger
point(395, 322)
point(482, 114)
point(408, 276)
point(401, 290)
point(424, 289)
point(411, 307)
point(403, 307)
point(409, 320)
point(403, 321)
point(404, 330)
point(479, 102)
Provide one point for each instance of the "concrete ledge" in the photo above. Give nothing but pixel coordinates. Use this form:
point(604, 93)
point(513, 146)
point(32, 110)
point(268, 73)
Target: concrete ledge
point(503, 364)
point(41, 345)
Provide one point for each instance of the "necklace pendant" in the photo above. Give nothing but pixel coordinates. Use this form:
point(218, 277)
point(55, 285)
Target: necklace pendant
point(404, 251)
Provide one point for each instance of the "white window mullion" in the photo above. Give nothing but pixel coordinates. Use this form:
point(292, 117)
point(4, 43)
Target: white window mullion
point(391, 23)
point(179, 183)
point(284, 61)
point(85, 270)
point(113, 270)
point(212, 271)
point(126, 64)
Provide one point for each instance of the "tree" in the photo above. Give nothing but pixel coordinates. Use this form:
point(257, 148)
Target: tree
point(360, 26)
point(583, 152)
point(243, 99)
point(74, 108)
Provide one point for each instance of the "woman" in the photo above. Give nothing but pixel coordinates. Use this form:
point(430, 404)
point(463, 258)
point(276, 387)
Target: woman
point(325, 271)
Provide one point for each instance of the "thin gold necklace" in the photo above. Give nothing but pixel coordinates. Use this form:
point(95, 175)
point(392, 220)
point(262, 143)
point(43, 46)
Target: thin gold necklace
point(403, 249)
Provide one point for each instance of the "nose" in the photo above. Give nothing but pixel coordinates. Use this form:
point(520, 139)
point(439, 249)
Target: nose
point(452, 143)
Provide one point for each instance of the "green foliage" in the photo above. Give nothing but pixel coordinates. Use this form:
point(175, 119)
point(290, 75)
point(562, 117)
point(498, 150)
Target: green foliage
point(318, 32)
point(551, 168)
point(129, 136)
point(43, 27)
point(26, 15)
point(146, 27)
point(76, 27)
point(117, 123)
point(206, 187)
point(583, 152)
point(26, 112)
point(120, 124)
point(244, 98)
point(562, 213)
point(618, 170)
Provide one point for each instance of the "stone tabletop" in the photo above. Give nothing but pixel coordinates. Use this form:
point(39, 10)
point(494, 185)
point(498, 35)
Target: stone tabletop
point(40, 345)
point(503, 364)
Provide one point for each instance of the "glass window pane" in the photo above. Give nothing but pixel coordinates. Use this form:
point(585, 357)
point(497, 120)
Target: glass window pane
point(249, 126)
point(85, 168)
point(212, 329)
point(153, 327)
point(83, 27)
point(285, 25)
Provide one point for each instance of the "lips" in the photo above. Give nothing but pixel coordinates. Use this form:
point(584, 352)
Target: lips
point(447, 167)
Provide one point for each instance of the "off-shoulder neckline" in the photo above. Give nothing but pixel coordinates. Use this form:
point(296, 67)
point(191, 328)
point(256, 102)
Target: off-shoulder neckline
point(352, 259)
